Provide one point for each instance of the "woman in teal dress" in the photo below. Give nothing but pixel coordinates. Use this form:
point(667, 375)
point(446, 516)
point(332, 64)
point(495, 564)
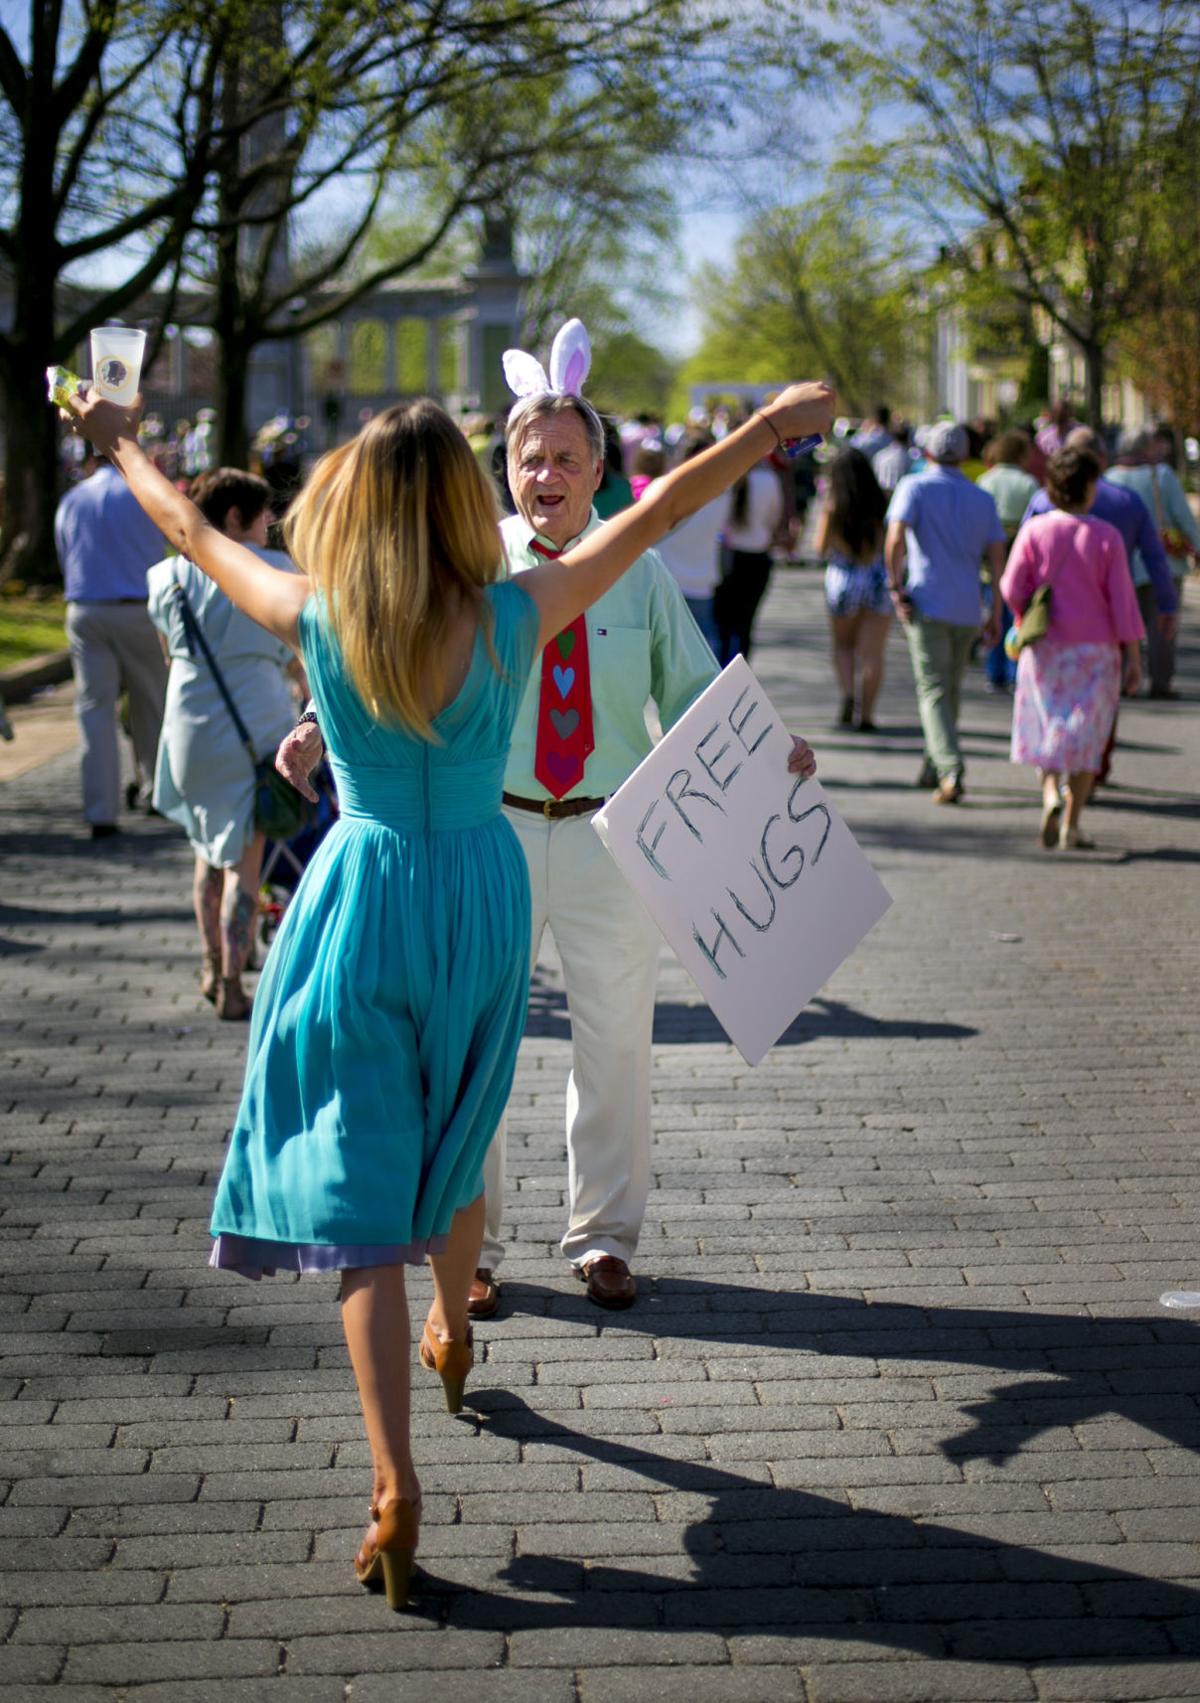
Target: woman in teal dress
point(386, 1024)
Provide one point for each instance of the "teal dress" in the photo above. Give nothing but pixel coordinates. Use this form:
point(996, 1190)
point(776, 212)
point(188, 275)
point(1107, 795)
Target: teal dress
point(387, 1020)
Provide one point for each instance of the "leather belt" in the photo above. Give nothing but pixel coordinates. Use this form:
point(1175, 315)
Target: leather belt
point(555, 809)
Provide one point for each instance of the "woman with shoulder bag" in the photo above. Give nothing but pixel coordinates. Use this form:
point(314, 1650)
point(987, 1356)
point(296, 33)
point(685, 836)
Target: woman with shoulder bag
point(205, 779)
point(1068, 574)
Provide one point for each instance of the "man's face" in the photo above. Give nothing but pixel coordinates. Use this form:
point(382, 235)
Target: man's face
point(553, 477)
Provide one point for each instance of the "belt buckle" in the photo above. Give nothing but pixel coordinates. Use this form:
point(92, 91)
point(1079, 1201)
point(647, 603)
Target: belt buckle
point(548, 809)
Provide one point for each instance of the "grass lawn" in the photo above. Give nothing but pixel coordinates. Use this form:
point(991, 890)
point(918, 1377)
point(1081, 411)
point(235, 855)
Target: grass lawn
point(29, 629)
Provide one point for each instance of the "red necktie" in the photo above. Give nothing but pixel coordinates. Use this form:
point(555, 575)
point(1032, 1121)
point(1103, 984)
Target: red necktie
point(564, 730)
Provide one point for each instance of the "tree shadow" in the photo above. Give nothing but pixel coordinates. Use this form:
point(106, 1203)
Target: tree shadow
point(1164, 854)
point(1139, 1370)
point(794, 1563)
point(547, 1018)
point(1149, 801)
point(83, 916)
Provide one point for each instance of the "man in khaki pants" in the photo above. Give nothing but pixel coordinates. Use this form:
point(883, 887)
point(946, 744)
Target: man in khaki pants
point(105, 545)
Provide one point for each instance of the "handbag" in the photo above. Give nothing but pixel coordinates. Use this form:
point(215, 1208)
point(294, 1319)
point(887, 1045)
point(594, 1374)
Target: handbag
point(1034, 624)
point(1174, 542)
point(279, 810)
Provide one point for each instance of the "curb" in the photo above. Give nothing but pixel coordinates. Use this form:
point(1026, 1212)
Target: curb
point(20, 683)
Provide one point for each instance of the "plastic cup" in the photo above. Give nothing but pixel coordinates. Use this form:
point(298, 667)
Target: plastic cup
point(117, 352)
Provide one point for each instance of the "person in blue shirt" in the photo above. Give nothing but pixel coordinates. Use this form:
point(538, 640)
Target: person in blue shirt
point(105, 545)
point(940, 527)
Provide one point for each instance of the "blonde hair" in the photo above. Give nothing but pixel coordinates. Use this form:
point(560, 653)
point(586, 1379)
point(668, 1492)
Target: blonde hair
point(393, 529)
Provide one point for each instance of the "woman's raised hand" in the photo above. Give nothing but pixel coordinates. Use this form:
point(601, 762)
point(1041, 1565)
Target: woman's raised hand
point(802, 410)
point(103, 424)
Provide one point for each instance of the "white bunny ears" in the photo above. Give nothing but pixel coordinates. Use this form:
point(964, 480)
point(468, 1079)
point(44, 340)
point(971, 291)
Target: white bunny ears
point(570, 362)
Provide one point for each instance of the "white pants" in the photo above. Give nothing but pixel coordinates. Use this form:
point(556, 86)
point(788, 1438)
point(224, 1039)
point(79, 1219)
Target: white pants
point(114, 645)
point(609, 951)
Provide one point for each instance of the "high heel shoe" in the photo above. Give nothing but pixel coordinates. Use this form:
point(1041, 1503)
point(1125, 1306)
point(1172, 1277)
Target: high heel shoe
point(389, 1560)
point(451, 1361)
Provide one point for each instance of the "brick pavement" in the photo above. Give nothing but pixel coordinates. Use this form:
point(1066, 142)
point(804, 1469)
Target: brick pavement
point(898, 1416)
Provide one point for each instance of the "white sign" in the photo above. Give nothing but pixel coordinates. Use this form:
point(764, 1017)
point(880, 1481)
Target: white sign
point(755, 881)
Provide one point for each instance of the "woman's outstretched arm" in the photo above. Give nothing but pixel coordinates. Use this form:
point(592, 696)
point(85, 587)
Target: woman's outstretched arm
point(270, 596)
point(563, 589)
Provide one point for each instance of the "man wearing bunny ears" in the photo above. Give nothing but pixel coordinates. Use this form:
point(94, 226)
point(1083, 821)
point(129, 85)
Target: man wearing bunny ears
point(580, 732)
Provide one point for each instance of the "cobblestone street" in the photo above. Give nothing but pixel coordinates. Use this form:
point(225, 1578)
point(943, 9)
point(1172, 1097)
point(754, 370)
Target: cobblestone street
point(898, 1416)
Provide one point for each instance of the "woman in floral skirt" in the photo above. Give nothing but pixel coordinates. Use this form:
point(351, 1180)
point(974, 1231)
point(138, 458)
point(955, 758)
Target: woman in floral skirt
point(1068, 683)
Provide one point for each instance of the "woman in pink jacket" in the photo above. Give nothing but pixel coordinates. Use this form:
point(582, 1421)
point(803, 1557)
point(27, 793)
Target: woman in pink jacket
point(1068, 683)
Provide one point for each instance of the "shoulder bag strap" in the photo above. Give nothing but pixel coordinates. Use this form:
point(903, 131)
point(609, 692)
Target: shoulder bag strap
point(195, 637)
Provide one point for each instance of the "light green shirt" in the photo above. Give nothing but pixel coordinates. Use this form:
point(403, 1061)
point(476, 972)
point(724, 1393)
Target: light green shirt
point(1010, 489)
point(1171, 509)
point(642, 643)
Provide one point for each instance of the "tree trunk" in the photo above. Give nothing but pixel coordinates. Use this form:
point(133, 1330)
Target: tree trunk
point(232, 377)
point(1094, 364)
point(31, 475)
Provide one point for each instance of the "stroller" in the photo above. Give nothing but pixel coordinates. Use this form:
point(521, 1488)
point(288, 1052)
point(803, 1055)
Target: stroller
point(284, 861)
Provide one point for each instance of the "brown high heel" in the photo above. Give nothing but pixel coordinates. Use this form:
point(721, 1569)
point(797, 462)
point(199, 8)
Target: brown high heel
point(451, 1361)
point(389, 1560)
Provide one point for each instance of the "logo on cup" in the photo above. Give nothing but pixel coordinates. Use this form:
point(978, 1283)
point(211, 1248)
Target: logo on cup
point(112, 373)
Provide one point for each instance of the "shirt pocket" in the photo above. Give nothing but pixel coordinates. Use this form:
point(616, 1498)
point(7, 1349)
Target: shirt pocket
point(619, 663)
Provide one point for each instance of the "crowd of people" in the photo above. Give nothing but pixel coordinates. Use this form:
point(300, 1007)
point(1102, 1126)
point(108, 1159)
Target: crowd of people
point(910, 524)
point(479, 682)
point(962, 529)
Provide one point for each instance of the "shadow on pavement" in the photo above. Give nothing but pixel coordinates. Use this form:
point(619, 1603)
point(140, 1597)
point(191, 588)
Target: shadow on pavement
point(1144, 1371)
point(792, 1563)
point(547, 1020)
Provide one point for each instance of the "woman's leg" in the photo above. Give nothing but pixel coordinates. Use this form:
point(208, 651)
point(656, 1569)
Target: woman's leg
point(755, 572)
point(375, 1323)
point(872, 643)
point(239, 907)
point(206, 901)
point(453, 1270)
point(1079, 790)
point(845, 630)
point(724, 612)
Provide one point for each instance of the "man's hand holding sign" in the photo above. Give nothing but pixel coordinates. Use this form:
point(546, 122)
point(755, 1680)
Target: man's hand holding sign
point(748, 870)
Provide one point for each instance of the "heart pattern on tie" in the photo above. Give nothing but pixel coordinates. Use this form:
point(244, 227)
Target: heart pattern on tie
point(564, 679)
point(566, 643)
point(562, 766)
point(565, 722)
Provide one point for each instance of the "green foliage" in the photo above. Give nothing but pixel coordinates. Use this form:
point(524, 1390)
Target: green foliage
point(816, 290)
point(1032, 138)
point(629, 375)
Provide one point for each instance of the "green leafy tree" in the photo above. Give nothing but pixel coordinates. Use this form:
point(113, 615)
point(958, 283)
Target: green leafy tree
point(813, 290)
point(630, 375)
point(1159, 348)
point(450, 109)
point(91, 97)
point(1032, 138)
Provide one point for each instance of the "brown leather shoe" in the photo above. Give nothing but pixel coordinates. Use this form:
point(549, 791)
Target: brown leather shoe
point(483, 1299)
point(610, 1283)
